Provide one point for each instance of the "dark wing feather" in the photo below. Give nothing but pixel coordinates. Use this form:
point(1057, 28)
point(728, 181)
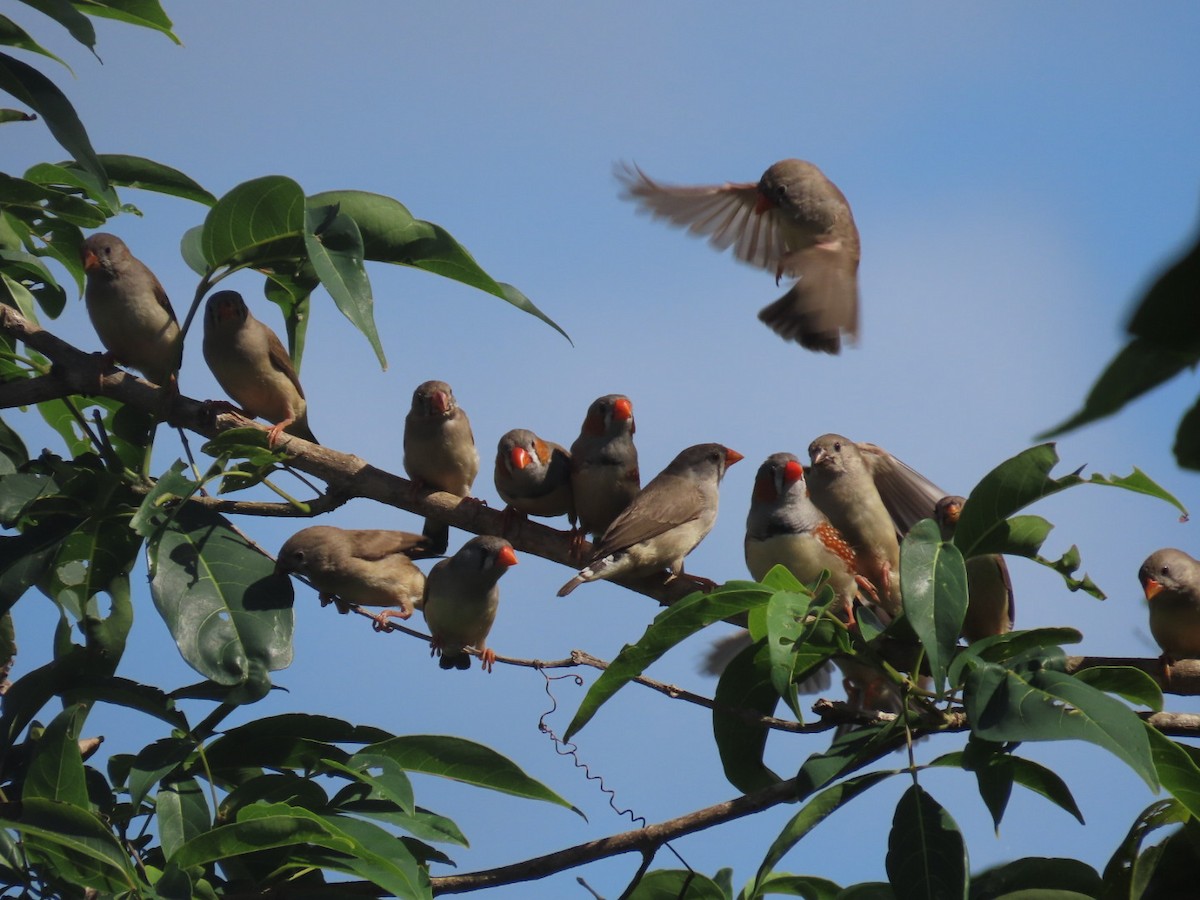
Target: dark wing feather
point(665, 503)
point(907, 494)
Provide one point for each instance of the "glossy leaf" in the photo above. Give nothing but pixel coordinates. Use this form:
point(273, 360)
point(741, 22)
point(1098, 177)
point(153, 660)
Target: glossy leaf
point(1039, 704)
point(927, 857)
point(745, 685)
point(56, 769)
point(391, 235)
point(148, 175)
point(812, 814)
point(335, 249)
point(153, 762)
point(1118, 874)
point(255, 221)
point(70, 18)
point(391, 784)
point(933, 582)
point(13, 35)
point(461, 760)
point(421, 824)
point(78, 846)
point(671, 626)
point(146, 13)
point(1001, 647)
point(182, 813)
point(231, 617)
point(276, 825)
point(381, 858)
point(1134, 684)
point(808, 887)
point(40, 94)
point(1052, 879)
point(996, 770)
point(1176, 769)
point(677, 884)
point(786, 612)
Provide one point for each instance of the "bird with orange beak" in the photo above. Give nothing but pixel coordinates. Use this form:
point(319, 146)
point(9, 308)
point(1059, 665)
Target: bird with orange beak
point(665, 522)
point(533, 477)
point(604, 465)
point(1170, 580)
point(462, 596)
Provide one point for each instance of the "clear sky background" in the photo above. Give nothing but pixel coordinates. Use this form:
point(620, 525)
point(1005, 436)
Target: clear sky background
point(1018, 173)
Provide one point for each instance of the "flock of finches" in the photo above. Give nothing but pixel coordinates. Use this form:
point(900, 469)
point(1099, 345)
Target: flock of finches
point(844, 514)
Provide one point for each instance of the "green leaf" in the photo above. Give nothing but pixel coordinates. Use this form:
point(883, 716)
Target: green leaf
point(1039, 704)
point(79, 847)
point(807, 886)
point(1053, 879)
point(1001, 647)
point(1133, 684)
point(933, 582)
point(392, 784)
point(71, 177)
point(927, 857)
point(1140, 366)
point(996, 770)
point(277, 825)
point(745, 685)
point(335, 249)
point(171, 485)
point(422, 824)
point(70, 18)
point(191, 248)
point(812, 814)
point(146, 13)
point(13, 35)
point(255, 222)
point(182, 813)
point(462, 760)
point(381, 858)
point(39, 93)
point(153, 762)
point(11, 445)
point(390, 234)
point(148, 175)
point(1176, 769)
point(230, 615)
point(1118, 874)
point(677, 884)
point(672, 625)
point(1187, 439)
point(56, 770)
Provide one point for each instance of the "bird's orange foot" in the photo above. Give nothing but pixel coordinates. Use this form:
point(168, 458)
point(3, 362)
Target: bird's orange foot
point(868, 589)
point(578, 539)
point(380, 619)
point(487, 659)
point(1166, 659)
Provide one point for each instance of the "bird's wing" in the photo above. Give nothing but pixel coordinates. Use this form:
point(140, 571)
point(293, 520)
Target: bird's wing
point(724, 212)
point(907, 494)
point(380, 544)
point(280, 360)
point(661, 506)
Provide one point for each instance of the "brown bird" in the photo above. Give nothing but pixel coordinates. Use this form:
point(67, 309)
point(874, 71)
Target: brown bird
point(461, 598)
point(665, 522)
point(533, 477)
point(872, 498)
point(439, 450)
point(368, 567)
point(784, 527)
point(794, 222)
point(1171, 581)
point(990, 607)
point(249, 362)
point(129, 309)
point(604, 464)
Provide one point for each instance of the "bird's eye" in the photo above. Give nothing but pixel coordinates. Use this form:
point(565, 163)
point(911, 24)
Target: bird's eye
point(837, 446)
point(298, 556)
point(1166, 570)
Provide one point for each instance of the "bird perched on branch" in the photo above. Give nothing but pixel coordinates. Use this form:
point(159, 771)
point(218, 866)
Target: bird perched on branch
point(368, 567)
point(873, 499)
point(665, 522)
point(130, 310)
point(533, 477)
point(604, 464)
point(251, 365)
point(793, 222)
point(1171, 581)
point(990, 609)
point(461, 599)
point(439, 450)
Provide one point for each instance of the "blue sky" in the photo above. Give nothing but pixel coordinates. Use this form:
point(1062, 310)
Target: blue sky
point(1017, 173)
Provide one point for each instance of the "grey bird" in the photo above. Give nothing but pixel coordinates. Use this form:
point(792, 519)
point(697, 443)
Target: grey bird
point(130, 310)
point(990, 607)
point(665, 522)
point(794, 221)
point(367, 567)
point(461, 599)
point(873, 499)
point(249, 362)
point(533, 476)
point(439, 450)
point(1170, 580)
point(604, 464)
